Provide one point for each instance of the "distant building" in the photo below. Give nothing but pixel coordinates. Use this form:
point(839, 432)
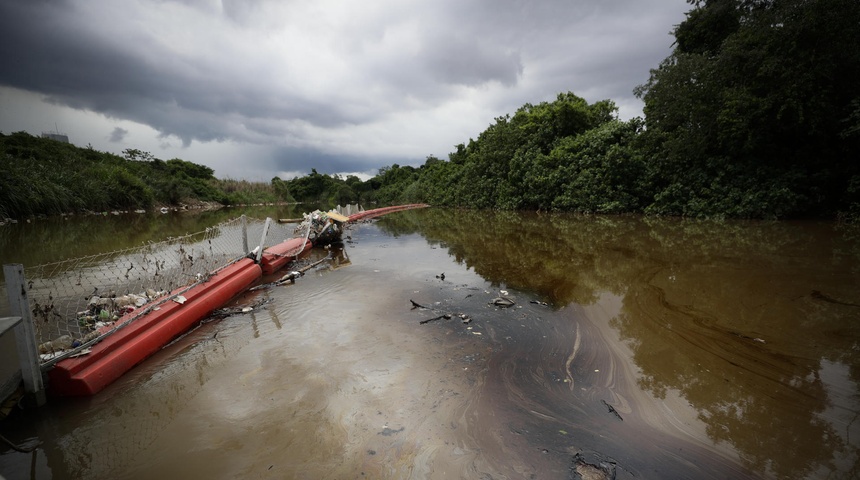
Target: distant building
point(60, 137)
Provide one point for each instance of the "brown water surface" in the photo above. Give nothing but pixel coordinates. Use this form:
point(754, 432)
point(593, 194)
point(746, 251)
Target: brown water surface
point(662, 348)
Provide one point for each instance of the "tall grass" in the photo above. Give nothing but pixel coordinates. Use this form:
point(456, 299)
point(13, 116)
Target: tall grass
point(244, 192)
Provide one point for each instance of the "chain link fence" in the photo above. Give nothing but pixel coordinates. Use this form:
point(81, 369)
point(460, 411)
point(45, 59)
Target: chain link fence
point(78, 297)
point(74, 302)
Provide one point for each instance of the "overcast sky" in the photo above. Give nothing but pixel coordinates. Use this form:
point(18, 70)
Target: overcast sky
point(259, 88)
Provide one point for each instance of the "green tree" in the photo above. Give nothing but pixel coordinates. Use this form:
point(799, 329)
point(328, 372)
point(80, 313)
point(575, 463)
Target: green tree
point(601, 170)
point(39, 176)
point(748, 116)
point(282, 190)
point(508, 166)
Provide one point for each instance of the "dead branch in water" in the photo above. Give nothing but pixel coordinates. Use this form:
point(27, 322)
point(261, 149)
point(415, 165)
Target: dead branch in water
point(290, 277)
point(440, 317)
point(446, 315)
point(612, 410)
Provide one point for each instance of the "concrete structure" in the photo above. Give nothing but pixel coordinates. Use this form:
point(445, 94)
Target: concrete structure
point(60, 137)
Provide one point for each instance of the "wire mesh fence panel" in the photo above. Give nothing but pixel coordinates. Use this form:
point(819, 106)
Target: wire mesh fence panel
point(276, 233)
point(76, 301)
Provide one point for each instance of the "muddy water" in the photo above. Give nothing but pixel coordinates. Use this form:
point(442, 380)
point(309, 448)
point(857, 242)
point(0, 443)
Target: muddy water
point(657, 348)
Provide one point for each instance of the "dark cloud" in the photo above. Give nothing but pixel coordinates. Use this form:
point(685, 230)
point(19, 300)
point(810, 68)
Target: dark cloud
point(75, 64)
point(466, 60)
point(339, 83)
point(118, 135)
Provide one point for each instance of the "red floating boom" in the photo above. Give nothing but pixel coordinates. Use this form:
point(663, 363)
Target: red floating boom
point(146, 334)
point(133, 343)
point(377, 212)
point(278, 256)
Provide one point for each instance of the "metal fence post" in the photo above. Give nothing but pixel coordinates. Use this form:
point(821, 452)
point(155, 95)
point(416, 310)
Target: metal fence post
point(25, 335)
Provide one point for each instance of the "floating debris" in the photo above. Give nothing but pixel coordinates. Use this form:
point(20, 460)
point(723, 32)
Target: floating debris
point(592, 466)
point(322, 228)
point(612, 410)
point(58, 344)
point(387, 432)
point(110, 308)
point(246, 308)
point(445, 315)
point(292, 276)
point(102, 311)
point(503, 302)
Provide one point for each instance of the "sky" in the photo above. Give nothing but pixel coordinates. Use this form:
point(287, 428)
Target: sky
point(261, 88)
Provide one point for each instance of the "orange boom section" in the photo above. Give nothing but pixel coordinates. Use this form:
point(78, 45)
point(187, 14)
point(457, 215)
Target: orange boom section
point(134, 342)
point(138, 337)
point(377, 212)
point(278, 256)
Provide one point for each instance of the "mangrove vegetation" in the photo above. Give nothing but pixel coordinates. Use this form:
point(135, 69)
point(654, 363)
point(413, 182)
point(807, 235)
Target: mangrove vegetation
point(754, 114)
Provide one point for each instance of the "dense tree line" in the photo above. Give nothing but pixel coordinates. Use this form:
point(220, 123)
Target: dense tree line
point(563, 155)
point(40, 176)
point(322, 189)
point(755, 114)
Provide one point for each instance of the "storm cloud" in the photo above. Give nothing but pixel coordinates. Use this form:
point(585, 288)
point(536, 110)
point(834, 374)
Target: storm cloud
point(263, 88)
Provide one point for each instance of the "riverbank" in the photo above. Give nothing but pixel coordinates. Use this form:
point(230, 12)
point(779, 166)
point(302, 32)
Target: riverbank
point(190, 205)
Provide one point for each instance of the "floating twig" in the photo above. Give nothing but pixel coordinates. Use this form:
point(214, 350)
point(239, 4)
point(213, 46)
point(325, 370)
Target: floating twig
point(612, 410)
point(446, 316)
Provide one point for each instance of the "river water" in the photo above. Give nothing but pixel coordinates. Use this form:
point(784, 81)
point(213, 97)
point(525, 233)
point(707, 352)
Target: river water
point(648, 348)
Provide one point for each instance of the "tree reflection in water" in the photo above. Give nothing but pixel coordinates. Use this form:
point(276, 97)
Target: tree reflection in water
point(755, 324)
